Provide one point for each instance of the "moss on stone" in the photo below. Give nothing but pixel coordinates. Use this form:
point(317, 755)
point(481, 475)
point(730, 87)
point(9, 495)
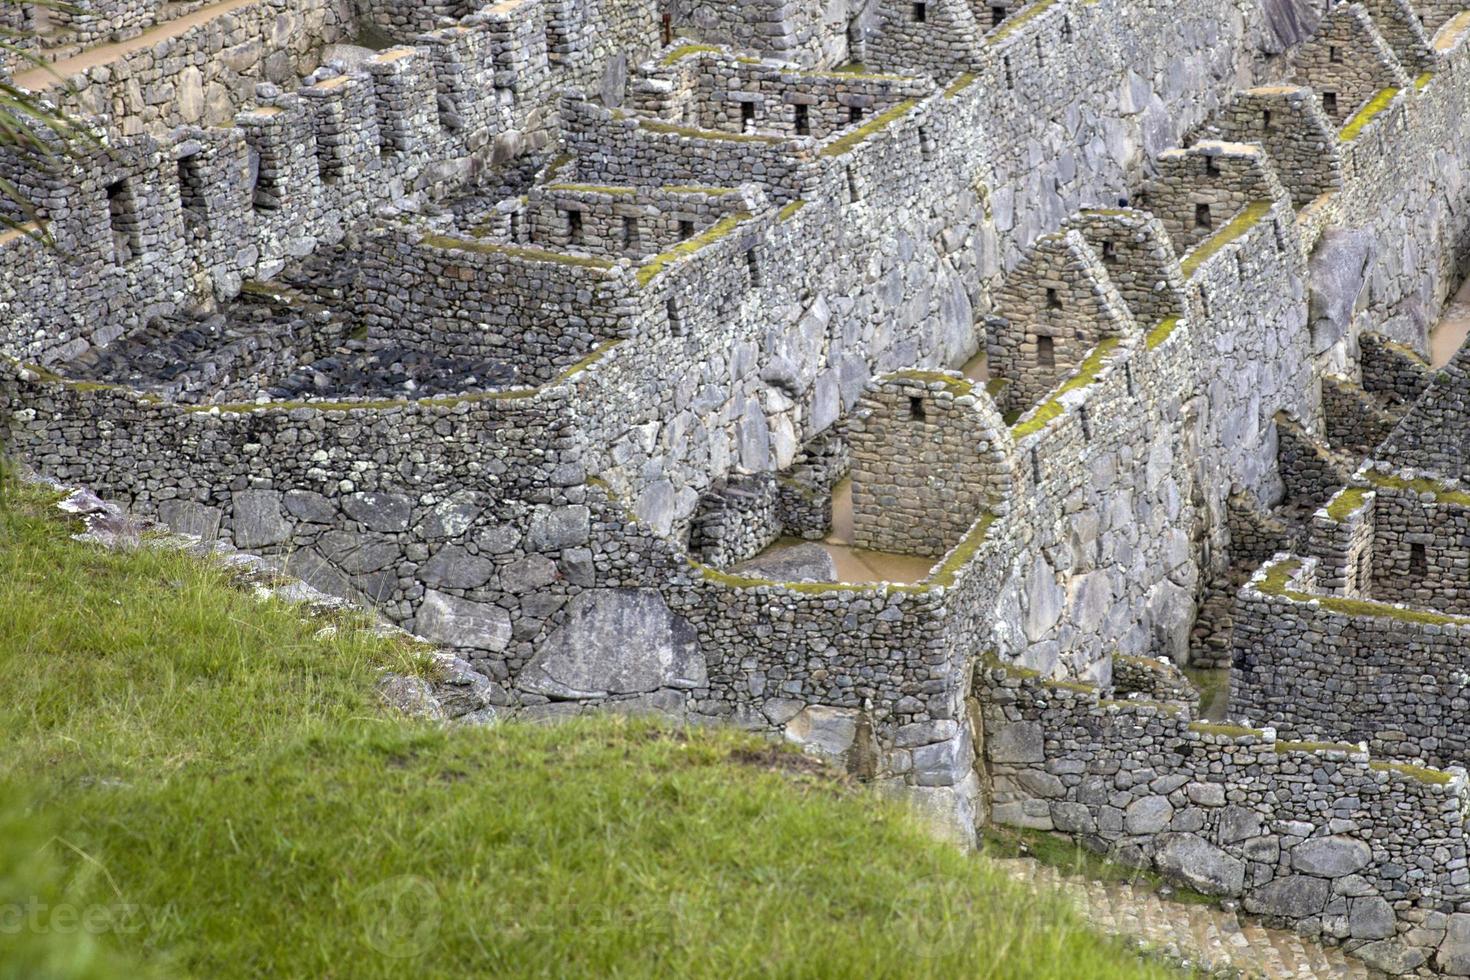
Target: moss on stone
point(1018, 20)
point(1366, 114)
point(1147, 663)
point(960, 83)
point(1424, 775)
point(1284, 747)
point(790, 210)
point(960, 555)
point(955, 386)
point(1051, 408)
point(709, 236)
point(1276, 583)
point(1423, 80)
point(1238, 226)
point(612, 191)
point(991, 661)
point(1163, 707)
point(706, 191)
point(688, 51)
point(1347, 501)
point(851, 139)
point(514, 251)
point(1227, 731)
point(1162, 332)
point(1278, 576)
point(692, 132)
point(1424, 486)
point(1075, 686)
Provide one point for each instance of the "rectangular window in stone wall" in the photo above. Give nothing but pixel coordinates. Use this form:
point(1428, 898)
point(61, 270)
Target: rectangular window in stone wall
point(1202, 217)
point(191, 195)
point(630, 232)
point(122, 212)
point(574, 227)
point(1329, 103)
point(1046, 352)
point(921, 13)
point(997, 14)
point(803, 120)
point(1418, 561)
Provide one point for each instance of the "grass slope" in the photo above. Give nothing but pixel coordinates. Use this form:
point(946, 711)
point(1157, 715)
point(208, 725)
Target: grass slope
point(209, 777)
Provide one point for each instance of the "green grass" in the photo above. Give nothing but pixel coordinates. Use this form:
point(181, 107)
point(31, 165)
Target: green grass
point(219, 764)
point(1366, 114)
point(1346, 502)
point(1085, 375)
point(851, 139)
point(1238, 226)
point(1161, 332)
point(1278, 578)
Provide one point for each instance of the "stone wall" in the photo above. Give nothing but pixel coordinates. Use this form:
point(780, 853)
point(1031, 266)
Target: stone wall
point(730, 93)
point(1321, 837)
point(616, 221)
point(1052, 310)
point(1392, 371)
point(1316, 665)
point(809, 34)
point(1431, 436)
point(537, 311)
point(207, 73)
point(1348, 62)
point(296, 172)
point(929, 453)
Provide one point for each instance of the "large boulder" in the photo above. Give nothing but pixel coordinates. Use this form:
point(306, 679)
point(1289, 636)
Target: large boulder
point(1331, 857)
point(1339, 271)
point(459, 622)
point(1200, 865)
point(616, 641)
point(1292, 897)
point(808, 562)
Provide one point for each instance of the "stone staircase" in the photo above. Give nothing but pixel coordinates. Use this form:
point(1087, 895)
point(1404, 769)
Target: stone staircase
point(1203, 937)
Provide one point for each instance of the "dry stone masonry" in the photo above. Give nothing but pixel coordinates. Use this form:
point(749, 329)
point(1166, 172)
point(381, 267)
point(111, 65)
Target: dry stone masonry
point(563, 332)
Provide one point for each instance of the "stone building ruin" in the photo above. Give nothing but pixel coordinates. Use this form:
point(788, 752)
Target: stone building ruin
point(592, 338)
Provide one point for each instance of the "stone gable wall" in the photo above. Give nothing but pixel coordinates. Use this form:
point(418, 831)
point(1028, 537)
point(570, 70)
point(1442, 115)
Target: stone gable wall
point(1378, 674)
point(1321, 837)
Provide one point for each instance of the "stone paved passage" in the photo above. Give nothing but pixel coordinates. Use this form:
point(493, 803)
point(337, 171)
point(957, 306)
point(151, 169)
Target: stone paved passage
point(1214, 940)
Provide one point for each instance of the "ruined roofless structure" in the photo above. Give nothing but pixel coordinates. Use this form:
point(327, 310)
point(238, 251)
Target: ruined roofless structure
point(604, 341)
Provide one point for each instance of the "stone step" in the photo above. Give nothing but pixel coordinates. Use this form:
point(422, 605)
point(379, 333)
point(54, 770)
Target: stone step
point(1205, 937)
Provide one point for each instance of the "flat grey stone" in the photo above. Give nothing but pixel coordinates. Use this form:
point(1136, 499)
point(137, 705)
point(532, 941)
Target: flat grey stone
point(459, 622)
point(616, 641)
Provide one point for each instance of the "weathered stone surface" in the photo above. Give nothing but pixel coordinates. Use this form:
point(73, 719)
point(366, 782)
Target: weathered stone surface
point(258, 522)
point(1017, 743)
point(1371, 918)
point(1331, 857)
point(454, 568)
point(1295, 897)
point(616, 641)
point(379, 511)
point(1148, 815)
point(1453, 956)
point(801, 563)
point(462, 623)
point(826, 731)
point(1201, 865)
